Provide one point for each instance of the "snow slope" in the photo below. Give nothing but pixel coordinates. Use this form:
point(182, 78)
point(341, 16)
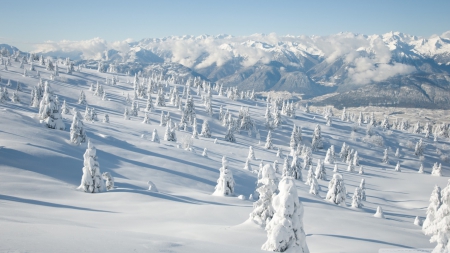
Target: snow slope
point(42, 211)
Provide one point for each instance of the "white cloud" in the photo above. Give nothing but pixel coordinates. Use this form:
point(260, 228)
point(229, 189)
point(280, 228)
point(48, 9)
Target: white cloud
point(89, 49)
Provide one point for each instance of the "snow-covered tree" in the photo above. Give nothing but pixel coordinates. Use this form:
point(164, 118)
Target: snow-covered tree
point(317, 142)
point(437, 170)
point(329, 159)
point(397, 167)
point(169, 134)
point(418, 151)
point(296, 168)
point(49, 111)
point(320, 171)
point(229, 135)
point(247, 165)
point(310, 176)
point(155, 136)
point(77, 132)
point(266, 187)
point(205, 152)
point(355, 159)
point(397, 153)
point(362, 186)
point(251, 153)
point(285, 229)
point(286, 171)
point(269, 144)
point(146, 118)
point(109, 181)
point(64, 108)
point(126, 114)
point(91, 180)
point(314, 186)
point(82, 98)
point(357, 198)
point(225, 183)
point(205, 132)
point(385, 156)
point(421, 168)
point(336, 190)
point(379, 213)
point(435, 202)
point(194, 129)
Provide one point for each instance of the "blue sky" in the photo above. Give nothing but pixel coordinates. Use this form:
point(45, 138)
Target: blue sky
point(25, 23)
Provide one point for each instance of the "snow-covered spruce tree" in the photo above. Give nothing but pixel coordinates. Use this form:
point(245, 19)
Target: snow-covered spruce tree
point(314, 186)
point(82, 98)
point(160, 99)
point(329, 159)
point(109, 181)
point(311, 175)
point(296, 168)
point(269, 144)
point(77, 132)
point(317, 142)
point(418, 151)
point(229, 135)
point(397, 153)
point(205, 152)
point(285, 230)
point(397, 167)
point(421, 169)
point(268, 118)
point(336, 190)
point(225, 183)
point(251, 153)
point(437, 170)
point(279, 152)
point(355, 159)
point(49, 111)
point(205, 132)
point(146, 118)
point(356, 198)
point(155, 136)
point(320, 171)
point(379, 213)
point(440, 227)
point(385, 156)
point(428, 226)
point(189, 111)
point(194, 129)
point(266, 187)
point(126, 114)
point(64, 108)
point(169, 134)
point(91, 181)
point(286, 170)
point(134, 109)
point(362, 186)
point(149, 106)
point(293, 141)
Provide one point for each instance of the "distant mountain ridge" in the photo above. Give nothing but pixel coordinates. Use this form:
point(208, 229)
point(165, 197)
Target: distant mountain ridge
point(410, 70)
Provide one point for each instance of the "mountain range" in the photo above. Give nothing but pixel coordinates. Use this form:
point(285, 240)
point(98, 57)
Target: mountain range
point(392, 69)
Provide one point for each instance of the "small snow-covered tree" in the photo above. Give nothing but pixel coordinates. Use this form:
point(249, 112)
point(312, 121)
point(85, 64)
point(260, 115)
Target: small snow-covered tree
point(336, 190)
point(317, 142)
point(314, 186)
point(146, 118)
point(64, 108)
point(225, 183)
point(266, 187)
point(385, 156)
point(362, 186)
point(105, 118)
point(205, 152)
point(269, 144)
point(247, 165)
point(251, 153)
point(320, 171)
point(421, 168)
point(311, 175)
point(437, 170)
point(169, 134)
point(49, 111)
point(379, 213)
point(77, 132)
point(285, 229)
point(155, 136)
point(91, 180)
point(296, 168)
point(357, 198)
point(82, 98)
point(286, 171)
point(109, 181)
point(397, 167)
point(229, 135)
point(205, 132)
point(418, 151)
point(329, 159)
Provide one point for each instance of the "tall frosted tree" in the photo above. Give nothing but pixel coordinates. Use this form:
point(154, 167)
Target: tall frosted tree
point(320, 171)
point(77, 132)
point(91, 181)
point(435, 202)
point(285, 230)
point(317, 142)
point(269, 144)
point(266, 187)
point(225, 183)
point(336, 190)
point(440, 228)
point(205, 132)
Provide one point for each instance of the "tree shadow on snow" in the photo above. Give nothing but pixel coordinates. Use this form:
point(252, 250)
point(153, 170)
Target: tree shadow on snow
point(363, 239)
point(49, 204)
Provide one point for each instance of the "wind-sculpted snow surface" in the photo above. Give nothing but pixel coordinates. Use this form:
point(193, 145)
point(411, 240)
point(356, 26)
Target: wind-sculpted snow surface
point(41, 168)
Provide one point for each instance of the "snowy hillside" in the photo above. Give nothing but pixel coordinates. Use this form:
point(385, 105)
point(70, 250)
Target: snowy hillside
point(43, 210)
